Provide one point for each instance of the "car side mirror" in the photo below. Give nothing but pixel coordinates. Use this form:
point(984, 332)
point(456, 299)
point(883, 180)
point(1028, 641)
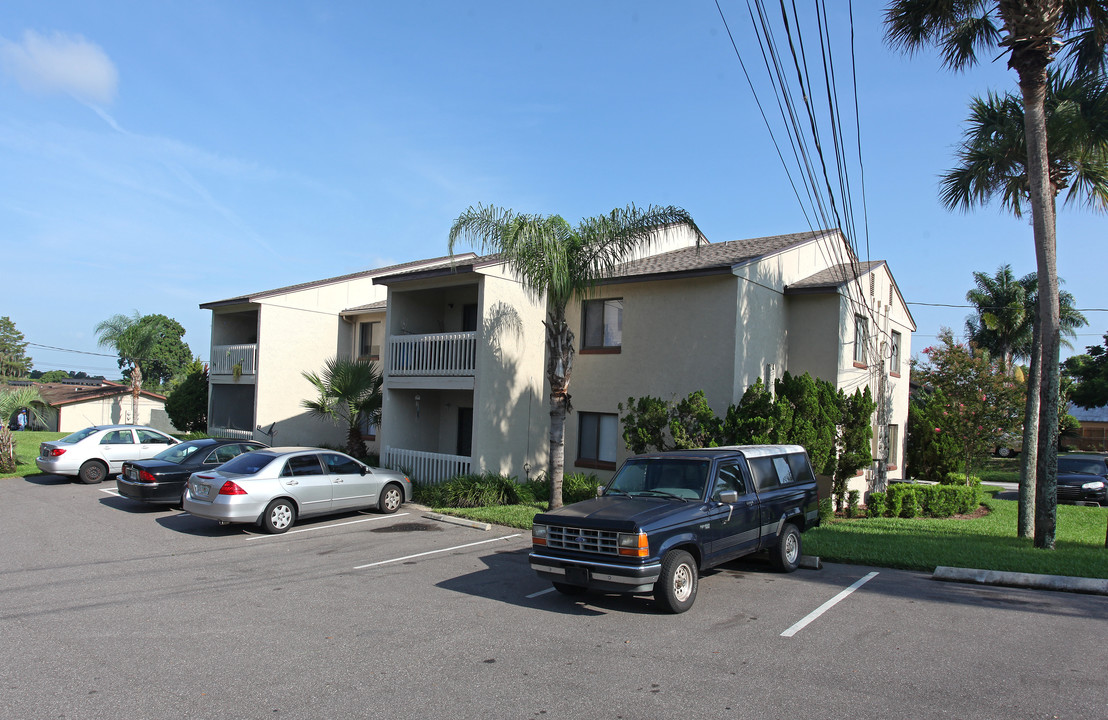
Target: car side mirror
point(599, 490)
point(729, 497)
point(365, 470)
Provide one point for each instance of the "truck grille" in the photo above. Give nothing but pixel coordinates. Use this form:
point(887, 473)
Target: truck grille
point(582, 540)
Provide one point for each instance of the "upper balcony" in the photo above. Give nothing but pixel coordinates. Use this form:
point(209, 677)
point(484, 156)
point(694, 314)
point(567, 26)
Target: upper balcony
point(233, 361)
point(432, 355)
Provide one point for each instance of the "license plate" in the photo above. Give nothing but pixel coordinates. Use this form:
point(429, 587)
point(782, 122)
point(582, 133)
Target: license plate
point(577, 576)
point(200, 491)
point(132, 473)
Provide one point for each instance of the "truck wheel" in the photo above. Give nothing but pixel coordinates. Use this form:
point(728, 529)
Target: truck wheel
point(786, 555)
point(675, 590)
point(565, 589)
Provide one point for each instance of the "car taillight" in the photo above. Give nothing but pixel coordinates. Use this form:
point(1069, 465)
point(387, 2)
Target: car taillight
point(230, 488)
point(146, 477)
point(55, 452)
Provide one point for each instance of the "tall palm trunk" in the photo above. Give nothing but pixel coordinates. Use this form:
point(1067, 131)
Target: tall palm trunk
point(136, 390)
point(559, 365)
point(1029, 448)
point(1031, 28)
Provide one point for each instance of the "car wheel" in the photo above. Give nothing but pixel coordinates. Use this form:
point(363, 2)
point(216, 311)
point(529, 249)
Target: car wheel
point(279, 516)
point(392, 497)
point(675, 590)
point(565, 589)
point(92, 472)
point(786, 555)
point(1004, 452)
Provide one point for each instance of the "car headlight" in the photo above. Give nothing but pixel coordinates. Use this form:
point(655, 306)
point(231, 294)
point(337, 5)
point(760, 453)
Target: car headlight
point(633, 544)
point(538, 534)
point(1095, 485)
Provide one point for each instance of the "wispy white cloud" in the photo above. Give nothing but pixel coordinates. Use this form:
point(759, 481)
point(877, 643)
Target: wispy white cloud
point(60, 63)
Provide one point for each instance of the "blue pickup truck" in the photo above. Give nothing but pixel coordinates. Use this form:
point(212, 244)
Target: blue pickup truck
point(666, 516)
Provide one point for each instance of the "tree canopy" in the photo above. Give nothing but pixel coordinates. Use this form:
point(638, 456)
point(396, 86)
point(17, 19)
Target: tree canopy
point(1090, 374)
point(14, 361)
point(187, 404)
point(167, 357)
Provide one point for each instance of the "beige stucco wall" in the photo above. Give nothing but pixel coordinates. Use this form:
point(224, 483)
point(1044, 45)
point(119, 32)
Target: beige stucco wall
point(678, 337)
point(298, 331)
point(511, 410)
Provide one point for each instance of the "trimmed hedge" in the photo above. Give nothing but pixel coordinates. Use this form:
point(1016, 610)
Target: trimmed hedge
point(908, 500)
point(489, 489)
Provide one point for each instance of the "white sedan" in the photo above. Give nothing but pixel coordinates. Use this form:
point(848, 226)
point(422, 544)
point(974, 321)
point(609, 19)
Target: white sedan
point(274, 486)
point(96, 452)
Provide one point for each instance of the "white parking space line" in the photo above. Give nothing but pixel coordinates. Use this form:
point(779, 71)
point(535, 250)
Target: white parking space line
point(434, 552)
point(540, 592)
point(827, 606)
point(110, 492)
point(326, 527)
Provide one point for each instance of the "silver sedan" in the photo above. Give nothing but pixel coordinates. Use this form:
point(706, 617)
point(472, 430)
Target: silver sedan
point(275, 486)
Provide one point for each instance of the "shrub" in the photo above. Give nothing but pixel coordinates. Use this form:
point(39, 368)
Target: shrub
point(826, 509)
point(909, 504)
point(875, 505)
point(469, 491)
point(579, 486)
point(852, 503)
point(899, 496)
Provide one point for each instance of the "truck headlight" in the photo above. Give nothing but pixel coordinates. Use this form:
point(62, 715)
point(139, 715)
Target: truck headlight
point(634, 544)
point(538, 534)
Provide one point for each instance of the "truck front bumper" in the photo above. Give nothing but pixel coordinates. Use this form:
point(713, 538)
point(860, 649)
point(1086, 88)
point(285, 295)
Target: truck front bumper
point(596, 575)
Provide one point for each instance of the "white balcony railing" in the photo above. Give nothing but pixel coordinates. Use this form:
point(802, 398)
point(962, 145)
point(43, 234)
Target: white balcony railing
point(230, 433)
point(226, 357)
point(427, 467)
point(437, 354)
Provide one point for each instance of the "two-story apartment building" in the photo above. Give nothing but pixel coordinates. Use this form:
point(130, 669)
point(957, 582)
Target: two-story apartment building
point(462, 347)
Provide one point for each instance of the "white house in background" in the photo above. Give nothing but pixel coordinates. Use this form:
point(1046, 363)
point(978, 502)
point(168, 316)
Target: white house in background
point(72, 405)
point(462, 347)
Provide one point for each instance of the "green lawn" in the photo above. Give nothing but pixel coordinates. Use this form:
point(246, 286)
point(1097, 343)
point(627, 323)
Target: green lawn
point(26, 450)
point(988, 542)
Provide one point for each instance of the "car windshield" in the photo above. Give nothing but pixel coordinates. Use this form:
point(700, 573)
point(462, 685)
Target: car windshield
point(247, 463)
point(178, 453)
point(1083, 466)
point(682, 478)
point(79, 435)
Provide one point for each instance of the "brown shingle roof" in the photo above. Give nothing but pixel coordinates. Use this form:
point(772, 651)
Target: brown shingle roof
point(833, 277)
point(714, 257)
point(56, 394)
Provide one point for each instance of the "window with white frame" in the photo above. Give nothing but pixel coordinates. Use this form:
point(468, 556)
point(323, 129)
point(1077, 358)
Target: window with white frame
point(861, 339)
point(596, 439)
point(894, 447)
point(894, 354)
point(603, 324)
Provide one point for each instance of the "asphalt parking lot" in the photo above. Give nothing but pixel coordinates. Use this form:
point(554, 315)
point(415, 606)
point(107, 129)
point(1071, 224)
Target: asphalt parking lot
point(112, 609)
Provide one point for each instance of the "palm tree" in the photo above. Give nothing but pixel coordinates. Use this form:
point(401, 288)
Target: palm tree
point(133, 340)
point(1001, 322)
point(349, 392)
point(1029, 32)
point(560, 262)
point(11, 401)
point(992, 159)
point(1069, 319)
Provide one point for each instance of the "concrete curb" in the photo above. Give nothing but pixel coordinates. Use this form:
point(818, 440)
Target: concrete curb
point(1065, 583)
point(811, 562)
point(459, 521)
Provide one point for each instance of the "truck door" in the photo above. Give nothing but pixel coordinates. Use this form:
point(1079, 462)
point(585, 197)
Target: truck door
point(734, 526)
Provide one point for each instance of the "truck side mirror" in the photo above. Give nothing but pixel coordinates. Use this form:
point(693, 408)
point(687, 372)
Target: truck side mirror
point(729, 497)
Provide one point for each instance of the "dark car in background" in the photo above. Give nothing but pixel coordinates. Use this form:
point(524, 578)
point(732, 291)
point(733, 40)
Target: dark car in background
point(161, 479)
point(1083, 478)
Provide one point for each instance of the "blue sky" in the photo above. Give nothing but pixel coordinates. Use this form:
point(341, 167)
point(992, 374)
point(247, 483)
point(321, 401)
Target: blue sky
point(161, 155)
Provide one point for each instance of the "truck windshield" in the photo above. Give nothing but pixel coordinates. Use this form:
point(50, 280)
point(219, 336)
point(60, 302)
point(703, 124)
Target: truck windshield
point(683, 478)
